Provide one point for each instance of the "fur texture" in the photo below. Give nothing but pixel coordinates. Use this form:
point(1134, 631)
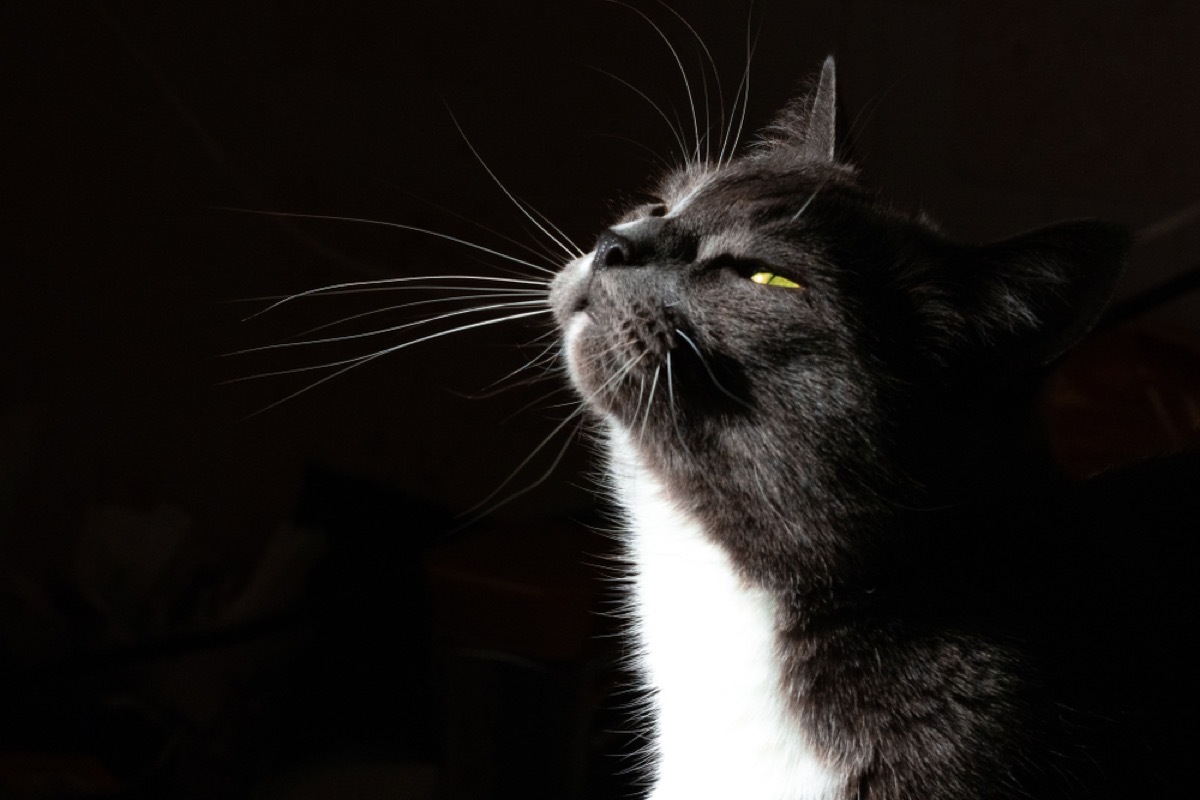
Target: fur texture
point(833, 581)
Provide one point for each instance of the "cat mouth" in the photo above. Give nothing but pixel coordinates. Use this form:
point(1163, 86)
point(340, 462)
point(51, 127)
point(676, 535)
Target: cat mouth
point(578, 317)
point(617, 337)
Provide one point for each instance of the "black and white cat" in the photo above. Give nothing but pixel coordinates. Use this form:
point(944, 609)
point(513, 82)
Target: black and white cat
point(839, 588)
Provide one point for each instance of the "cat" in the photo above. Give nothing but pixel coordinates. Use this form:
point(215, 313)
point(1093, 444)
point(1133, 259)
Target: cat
point(844, 584)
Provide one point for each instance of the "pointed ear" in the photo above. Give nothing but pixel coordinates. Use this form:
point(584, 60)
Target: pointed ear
point(1026, 300)
point(807, 125)
point(821, 132)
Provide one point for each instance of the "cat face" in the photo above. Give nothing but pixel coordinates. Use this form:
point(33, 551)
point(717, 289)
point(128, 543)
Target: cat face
point(769, 310)
point(724, 297)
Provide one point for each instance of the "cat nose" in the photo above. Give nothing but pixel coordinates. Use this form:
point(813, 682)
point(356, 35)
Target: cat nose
point(612, 250)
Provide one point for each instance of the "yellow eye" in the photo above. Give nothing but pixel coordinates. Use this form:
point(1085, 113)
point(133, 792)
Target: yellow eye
point(771, 279)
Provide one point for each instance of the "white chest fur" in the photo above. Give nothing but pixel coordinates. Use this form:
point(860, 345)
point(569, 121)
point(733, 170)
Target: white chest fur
point(707, 647)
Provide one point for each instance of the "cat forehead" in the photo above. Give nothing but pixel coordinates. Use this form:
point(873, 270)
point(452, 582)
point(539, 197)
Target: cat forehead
point(737, 208)
point(749, 186)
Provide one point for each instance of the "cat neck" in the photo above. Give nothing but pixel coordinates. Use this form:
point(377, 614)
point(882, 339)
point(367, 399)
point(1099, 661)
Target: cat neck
point(812, 543)
point(707, 640)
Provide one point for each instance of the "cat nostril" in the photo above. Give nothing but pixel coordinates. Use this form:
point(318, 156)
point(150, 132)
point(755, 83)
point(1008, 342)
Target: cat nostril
point(613, 250)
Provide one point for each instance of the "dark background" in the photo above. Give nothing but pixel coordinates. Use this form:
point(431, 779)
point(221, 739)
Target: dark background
point(197, 598)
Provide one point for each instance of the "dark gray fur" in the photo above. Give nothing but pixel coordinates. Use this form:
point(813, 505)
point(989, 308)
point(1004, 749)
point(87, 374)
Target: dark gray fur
point(850, 445)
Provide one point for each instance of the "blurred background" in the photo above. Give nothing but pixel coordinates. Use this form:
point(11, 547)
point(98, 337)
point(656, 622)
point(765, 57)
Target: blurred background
point(207, 592)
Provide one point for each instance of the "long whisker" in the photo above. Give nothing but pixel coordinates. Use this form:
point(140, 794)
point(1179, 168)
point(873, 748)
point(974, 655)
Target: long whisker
point(297, 370)
point(741, 99)
point(388, 283)
point(541, 446)
point(680, 141)
point(804, 207)
point(339, 362)
point(649, 402)
point(391, 328)
point(687, 85)
point(641, 391)
point(546, 356)
point(708, 369)
point(478, 514)
point(561, 239)
point(615, 377)
point(671, 400)
point(655, 155)
point(540, 402)
point(707, 136)
point(489, 295)
point(716, 78)
point(398, 226)
point(670, 385)
point(352, 363)
point(552, 333)
point(732, 138)
point(540, 253)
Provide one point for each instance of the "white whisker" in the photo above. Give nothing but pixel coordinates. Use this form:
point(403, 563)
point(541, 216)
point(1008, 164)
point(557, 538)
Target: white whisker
point(670, 385)
point(671, 401)
point(532, 214)
point(680, 141)
point(391, 328)
point(641, 391)
point(552, 258)
point(687, 85)
point(480, 514)
point(295, 371)
point(397, 226)
point(649, 402)
point(352, 363)
point(619, 375)
point(732, 137)
point(387, 287)
point(716, 79)
point(393, 283)
point(500, 487)
point(708, 369)
point(804, 207)
point(540, 401)
point(485, 294)
point(545, 356)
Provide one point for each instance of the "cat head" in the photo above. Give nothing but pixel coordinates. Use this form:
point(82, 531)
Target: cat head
point(769, 309)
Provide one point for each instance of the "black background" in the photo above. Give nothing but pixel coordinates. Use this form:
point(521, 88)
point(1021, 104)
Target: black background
point(142, 493)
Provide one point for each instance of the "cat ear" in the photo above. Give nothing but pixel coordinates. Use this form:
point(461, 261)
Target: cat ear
point(807, 125)
point(1028, 299)
point(821, 131)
